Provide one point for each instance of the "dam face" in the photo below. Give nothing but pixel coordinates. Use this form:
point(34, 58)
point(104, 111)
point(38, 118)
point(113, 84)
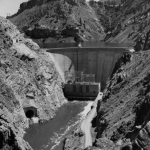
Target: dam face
point(97, 61)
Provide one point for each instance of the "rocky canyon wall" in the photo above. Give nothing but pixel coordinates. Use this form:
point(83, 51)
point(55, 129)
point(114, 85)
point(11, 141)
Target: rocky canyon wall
point(123, 116)
point(124, 111)
point(28, 78)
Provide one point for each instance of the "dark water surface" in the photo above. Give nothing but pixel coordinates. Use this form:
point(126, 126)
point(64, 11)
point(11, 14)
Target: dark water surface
point(47, 136)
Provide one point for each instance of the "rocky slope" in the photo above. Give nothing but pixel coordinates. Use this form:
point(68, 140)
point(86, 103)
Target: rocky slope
point(125, 21)
point(58, 21)
point(28, 78)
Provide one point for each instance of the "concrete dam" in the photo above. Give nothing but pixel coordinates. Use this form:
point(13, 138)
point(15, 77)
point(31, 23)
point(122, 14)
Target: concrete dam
point(99, 61)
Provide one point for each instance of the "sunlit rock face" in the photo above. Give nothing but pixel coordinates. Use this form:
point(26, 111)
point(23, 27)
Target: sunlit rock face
point(28, 77)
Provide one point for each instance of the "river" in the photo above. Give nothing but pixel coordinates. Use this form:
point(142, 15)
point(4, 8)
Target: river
point(50, 135)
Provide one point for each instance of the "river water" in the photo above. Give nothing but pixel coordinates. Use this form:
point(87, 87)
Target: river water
point(50, 135)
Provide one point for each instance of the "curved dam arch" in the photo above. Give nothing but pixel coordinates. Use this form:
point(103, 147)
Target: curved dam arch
point(98, 61)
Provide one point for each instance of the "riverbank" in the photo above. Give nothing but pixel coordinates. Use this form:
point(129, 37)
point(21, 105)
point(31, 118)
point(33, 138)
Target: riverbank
point(86, 124)
point(82, 135)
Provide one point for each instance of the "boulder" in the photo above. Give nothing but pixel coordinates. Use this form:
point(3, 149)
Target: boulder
point(105, 144)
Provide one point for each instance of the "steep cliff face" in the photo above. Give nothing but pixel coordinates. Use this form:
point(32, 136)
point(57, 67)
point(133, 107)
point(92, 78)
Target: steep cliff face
point(58, 21)
point(124, 110)
point(28, 78)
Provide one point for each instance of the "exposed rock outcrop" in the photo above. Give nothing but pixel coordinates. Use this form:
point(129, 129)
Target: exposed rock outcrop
point(27, 77)
point(125, 106)
point(143, 138)
point(125, 21)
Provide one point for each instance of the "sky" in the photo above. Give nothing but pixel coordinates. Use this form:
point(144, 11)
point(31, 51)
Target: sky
point(9, 6)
